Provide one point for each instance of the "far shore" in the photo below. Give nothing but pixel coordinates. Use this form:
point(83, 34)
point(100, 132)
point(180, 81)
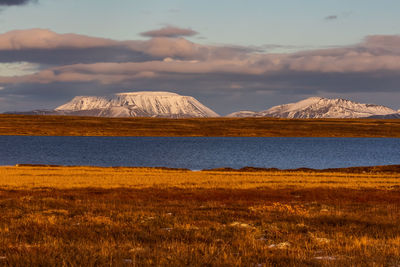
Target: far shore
point(379, 169)
point(197, 127)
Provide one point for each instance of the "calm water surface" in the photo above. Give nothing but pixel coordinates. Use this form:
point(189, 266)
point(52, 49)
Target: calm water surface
point(200, 152)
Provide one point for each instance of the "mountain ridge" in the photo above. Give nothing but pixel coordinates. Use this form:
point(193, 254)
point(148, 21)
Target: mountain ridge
point(133, 104)
point(171, 105)
point(319, 107)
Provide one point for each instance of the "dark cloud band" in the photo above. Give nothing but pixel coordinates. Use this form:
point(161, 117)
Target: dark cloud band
point(331, 17)
point(16, 2)
point(169, 32)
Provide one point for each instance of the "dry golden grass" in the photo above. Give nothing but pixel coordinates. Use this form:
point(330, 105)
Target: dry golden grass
point(28, 177)
point(82, 216)
point(271, 127)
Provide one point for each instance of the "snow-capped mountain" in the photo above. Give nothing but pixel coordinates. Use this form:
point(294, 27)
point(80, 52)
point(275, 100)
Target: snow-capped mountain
point(137, 104)
point(318, 107)
point(134, 104)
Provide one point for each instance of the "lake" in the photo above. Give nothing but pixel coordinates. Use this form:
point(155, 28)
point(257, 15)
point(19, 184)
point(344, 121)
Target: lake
point(198, 153)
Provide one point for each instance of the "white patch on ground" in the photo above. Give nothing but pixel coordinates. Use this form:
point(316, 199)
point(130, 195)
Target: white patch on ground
point(283, 245)
point(326, 258)
point(147, 219)
point(322, 240)
point(136, 250)
point(239, 224)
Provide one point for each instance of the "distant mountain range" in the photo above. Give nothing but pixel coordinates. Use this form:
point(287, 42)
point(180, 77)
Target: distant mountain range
point(171, 105)
point(318, 107)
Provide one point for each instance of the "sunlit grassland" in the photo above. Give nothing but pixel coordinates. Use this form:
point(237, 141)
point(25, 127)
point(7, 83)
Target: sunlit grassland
point(98, 177)
point(83, 216)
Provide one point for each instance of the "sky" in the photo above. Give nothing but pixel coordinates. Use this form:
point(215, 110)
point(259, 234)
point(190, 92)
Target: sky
point(229, 54)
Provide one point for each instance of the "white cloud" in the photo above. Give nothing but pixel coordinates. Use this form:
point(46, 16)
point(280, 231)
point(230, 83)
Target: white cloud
point(17, 69)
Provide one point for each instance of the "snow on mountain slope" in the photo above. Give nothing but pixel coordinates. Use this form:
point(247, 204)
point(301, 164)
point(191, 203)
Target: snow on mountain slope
point(137, 104)
point(317, 107)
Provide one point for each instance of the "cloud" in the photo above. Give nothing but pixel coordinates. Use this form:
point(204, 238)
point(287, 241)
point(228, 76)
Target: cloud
point(169, 32)
point(331, 17)
point(69, 56)
point(46, 47)
point(342, 15)
point(18, 69)
point(382, 44)
point(16, 2)
point(46, 39)
point(179, 56)
point(60, 66)
point(49, 48)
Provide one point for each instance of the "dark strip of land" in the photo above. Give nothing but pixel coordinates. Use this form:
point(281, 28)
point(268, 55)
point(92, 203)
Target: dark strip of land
point(362, 169)
point(249, 127)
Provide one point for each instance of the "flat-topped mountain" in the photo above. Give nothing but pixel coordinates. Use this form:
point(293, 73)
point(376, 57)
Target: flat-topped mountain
point(318, 107)
point(134, 104)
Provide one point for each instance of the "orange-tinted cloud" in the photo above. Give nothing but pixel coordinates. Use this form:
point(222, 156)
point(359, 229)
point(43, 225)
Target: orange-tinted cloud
point(48, 47)
point(46, 39)
point(77, 64)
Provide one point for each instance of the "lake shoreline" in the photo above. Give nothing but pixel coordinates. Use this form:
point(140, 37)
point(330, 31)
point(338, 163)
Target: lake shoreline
point(356, 169)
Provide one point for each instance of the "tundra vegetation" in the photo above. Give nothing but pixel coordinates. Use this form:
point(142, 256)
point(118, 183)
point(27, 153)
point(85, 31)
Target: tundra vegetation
point(87, 216)
point(261, 127)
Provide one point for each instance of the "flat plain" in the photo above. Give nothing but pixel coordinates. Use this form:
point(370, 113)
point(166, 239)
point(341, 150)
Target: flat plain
point(252, 127)
point(88, 216)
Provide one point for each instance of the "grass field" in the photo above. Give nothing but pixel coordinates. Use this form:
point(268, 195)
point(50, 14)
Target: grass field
point(84, 216)
point(268, 127)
